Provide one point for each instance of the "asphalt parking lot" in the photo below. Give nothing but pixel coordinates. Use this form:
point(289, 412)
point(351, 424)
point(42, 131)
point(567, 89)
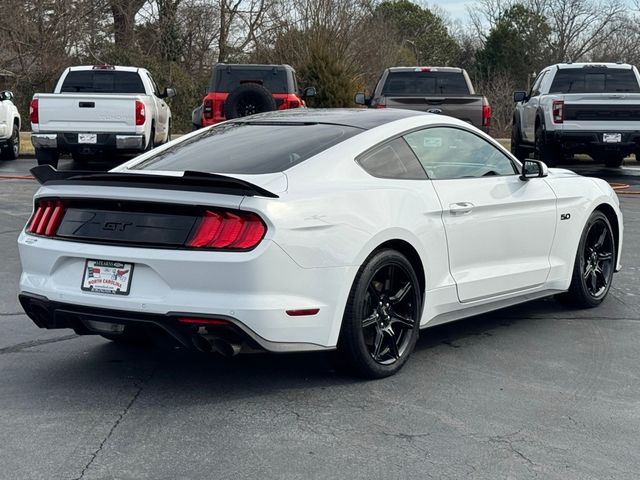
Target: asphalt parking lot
point(534, 391)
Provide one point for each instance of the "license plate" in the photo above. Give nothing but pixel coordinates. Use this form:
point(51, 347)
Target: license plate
point(106, 276)
point(87, 138)
point(611, 137)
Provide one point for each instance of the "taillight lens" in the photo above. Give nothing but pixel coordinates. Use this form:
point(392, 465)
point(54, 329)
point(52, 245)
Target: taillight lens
point(33, 111)
point(557, 108)
point(228, 230)
point(140, 113)
point(47, 218)
point(380, 103)
point(486, 115)
point(207, 110)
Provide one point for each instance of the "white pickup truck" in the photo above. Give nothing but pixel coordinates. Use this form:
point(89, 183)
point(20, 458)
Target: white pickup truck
point(9, 127)
point(591, 108)
point(96, 109)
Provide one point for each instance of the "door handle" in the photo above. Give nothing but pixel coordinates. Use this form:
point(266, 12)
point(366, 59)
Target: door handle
point(461, 208)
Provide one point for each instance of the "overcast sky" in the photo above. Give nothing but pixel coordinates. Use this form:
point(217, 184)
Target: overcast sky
point(455, 8)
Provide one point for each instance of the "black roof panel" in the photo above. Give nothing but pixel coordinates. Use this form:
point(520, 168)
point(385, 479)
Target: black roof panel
point(364, 118)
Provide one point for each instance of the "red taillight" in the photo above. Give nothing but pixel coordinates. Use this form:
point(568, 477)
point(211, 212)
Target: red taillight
point(140, 113)
point(203, 321)
point(557, 108)
point(47, 218)
point(33, 111)
point(207, 109)
point(226, 230)
point(379, 103)
point(486, 115)
point(303, 312)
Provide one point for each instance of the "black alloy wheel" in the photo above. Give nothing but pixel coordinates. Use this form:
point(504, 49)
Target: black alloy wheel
point(594, 264)
point(381, 322)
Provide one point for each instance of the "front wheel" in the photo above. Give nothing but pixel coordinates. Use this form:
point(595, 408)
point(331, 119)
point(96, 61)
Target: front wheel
point(594, 264)
point(12, 151)
point(516, 146)
point(382, 318)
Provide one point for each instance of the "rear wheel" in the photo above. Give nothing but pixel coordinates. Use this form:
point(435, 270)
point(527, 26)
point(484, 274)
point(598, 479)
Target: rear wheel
point(12, 149)
point(594, 264)
point(152, 140)
point(382, 317)
point(610, 160)
point(47, 156)
point(544, 151)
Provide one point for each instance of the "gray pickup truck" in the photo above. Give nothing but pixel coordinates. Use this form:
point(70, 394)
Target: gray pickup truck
point(440, 90)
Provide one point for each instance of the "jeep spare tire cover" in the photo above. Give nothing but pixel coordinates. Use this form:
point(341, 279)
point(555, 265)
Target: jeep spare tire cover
point(247, 99)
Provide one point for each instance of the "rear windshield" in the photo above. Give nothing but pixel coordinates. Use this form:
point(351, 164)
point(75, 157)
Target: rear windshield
point(102, 81)
point(227, 80)
point(425, 83)
point(594, 80)
point(248, 148)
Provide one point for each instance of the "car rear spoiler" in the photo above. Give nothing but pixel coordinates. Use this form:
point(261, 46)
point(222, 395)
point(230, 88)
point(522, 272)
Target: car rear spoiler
point(189, 180)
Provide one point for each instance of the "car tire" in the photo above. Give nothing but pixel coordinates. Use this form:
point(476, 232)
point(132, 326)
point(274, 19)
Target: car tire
point(610, 160)
point(47, 156)
point(594, 264)
point(516, 145)
point(381, 321)
point(81, 157)
point(168, 139)
point(12, 147)
point(544, 151)
point(248, 99)
point(152, 140)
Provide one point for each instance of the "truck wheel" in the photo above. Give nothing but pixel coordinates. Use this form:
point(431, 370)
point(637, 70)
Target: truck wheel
point(248, 99)
point(516, 147)
point(12, 151)
point(610, 160)
point(152, 140)
point(47, 156)
point(544, 151)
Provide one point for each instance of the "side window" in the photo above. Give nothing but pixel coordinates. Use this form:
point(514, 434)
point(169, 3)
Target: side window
point(393, 159)
point(535, 89)
point(449, 153)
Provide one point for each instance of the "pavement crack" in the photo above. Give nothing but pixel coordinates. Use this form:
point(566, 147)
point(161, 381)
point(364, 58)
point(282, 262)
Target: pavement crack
point(508, 442)
point(35, 343)
point(139, 386)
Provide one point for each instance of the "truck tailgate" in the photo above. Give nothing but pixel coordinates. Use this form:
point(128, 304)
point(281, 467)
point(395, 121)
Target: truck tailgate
point(70, 112)
point(608, 112)
point(464, 107)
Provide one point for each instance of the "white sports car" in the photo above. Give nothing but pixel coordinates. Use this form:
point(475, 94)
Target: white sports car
point(313, 230)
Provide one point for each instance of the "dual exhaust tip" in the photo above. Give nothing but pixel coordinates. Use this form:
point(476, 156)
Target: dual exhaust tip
point(215, 344)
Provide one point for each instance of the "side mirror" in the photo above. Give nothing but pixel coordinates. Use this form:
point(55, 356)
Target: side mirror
point(519, 96)
point(360, 99)
point(168, 92)
point(533, 169)
point(309, 92)
point(6, 95)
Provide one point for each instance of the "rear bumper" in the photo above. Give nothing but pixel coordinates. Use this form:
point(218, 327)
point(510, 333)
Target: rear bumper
point(253, 289)
point(105, 141)
point(592, 140)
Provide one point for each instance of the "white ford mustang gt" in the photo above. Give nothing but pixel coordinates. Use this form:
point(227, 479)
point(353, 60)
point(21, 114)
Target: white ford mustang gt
point(313, 230)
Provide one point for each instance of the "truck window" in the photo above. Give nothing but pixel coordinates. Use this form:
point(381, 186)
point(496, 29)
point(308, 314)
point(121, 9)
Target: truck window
point(102, 81)
point(594, 80)
point(228, 79)
point(425, 83)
